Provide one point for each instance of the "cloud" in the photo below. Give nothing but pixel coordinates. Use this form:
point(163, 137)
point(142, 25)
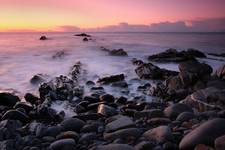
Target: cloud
point(203, 25)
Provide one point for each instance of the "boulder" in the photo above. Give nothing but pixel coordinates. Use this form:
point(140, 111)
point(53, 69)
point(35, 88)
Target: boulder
point(118, 52)
point(16, 115)
point(220, 72)
point(26, 106)
point(8, 99)
point(120, 123)
point(220, 143)
point(185, 116)
point(206, 99)
point(61, 144)
point(43, 38)
point(206, 134)
point(171, 55)
point(123, 134)
point(72, 124)
point(83, 34)
point(8, 129)
point(150, 71)
point(111, 79)
point(31, 98)
point(68, 135)
point(195, 53)
point(107, 98)
point(174, 110)
point(85, 39)
point(114, 147)
point(106, 110)
point(160, 134)
point(38, 78)
point(149, 113)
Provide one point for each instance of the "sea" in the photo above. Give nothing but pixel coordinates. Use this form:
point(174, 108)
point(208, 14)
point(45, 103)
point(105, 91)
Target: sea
point(23, 55)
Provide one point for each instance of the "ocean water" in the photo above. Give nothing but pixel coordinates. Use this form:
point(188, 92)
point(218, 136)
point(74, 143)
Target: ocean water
point(23, 55)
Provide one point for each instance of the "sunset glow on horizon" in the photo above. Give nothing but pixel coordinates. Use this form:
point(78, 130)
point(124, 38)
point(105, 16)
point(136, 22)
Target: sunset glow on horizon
point(49, 15)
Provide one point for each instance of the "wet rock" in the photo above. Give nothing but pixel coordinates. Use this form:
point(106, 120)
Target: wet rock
point(149, 113)
point(220, 143)
point(90, 116)
point(172, 55)
point(217, 55)
point(107, 98)
point(85, 39)
point(43, 38)
point(159, 121)
point(59, 55)
point(83, 34)
point(72, 124)
point(145, 145)
point(185, 116)
point(120, 123)
point(93, 127)
point(88, 138)
point(203, 147)
point(206, 133)
point(123, 134)
point(31, 98)
point(114, 146)
point(68, 135)
point(195, 53)
point(194, 69)
point(121, 100)
point(90, 83)
point(150, 71)
point(52, 131)
point(175, 109)
point(61, 144)
point(118, 52)
point(111, 79)
point(206, 99)
point(8, 99)
point(8, 129)
point(160, 134)
point(7, 145)
point(27, 107)
point(136, 62)
point(38, 78)
point(106, 110)
point(220, 73)
point(16, 115)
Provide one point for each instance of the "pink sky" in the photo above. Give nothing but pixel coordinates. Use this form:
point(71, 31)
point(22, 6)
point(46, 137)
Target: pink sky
point(50, 14)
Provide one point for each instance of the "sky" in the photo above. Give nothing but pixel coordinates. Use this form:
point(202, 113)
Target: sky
point(112, 15)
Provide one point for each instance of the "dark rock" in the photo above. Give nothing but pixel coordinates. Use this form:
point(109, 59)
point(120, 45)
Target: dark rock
point(150, 71)
point(217, 55)
point(59, 55)
point(194, 69)
point(159, 121)
point(206, 99)
point(185, 116)
point(220, 143)
point(85, 39)
point(72, 124)
point(111, 79)
point(107, 98)
point(43, 38)
point(160, 134)
point(52, 131)
point(123, 134)
point(8, 99)
point(91, 116)
point(106, 110)
point(220, 73)
point(38, 78)
point(172, 55)
point(90, 83)
point(88, 138)
point(195, 53)
point(175, 109)
point(83, 34)
point(68, 135)
point(8, 129)
point(149, 113)
point(93, 127)
point(60, 144)
point(7, 145)
point(26, 106)
point(31, 98)
point(114, 146)
point(91, 99)
point(137, 62)
point(121, 100)
point(145, 145)
point(121, 122)
point(16, 115)
point(118, 52)
point(206, 133)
